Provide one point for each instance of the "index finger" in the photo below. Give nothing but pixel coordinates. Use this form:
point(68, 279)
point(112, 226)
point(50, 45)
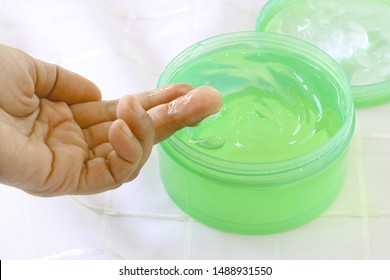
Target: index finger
point(161, 95)
point(92, 113)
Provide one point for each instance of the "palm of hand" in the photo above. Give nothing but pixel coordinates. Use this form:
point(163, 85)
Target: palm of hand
point(46, 149)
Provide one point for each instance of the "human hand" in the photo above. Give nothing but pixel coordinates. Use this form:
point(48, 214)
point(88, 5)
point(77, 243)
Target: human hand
point(58, 137)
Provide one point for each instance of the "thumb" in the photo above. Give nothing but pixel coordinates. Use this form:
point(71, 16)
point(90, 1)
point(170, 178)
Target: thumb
point(17, 95)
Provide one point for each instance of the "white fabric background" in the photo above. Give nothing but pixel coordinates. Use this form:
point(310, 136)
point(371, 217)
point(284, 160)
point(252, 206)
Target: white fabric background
point(123, 47)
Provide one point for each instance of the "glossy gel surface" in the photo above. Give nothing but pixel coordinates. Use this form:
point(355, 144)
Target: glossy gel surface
point(271, 111)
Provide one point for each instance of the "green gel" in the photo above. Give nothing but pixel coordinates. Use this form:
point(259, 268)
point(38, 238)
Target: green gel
point(276, 116)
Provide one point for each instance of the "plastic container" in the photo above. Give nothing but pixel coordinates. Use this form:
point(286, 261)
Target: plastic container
point(274, 157)
point(354, 32)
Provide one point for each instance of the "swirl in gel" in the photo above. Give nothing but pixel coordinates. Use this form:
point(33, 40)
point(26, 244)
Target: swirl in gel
point(271, 111)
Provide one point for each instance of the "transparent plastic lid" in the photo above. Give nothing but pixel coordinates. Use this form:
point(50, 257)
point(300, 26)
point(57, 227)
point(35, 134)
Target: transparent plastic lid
point(356, 33)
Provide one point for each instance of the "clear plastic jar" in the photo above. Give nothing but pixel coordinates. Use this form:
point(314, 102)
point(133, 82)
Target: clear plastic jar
point(275, 156)
point(354, 32)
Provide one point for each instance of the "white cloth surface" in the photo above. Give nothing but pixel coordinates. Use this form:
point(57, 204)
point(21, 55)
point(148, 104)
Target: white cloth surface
point(123, 46)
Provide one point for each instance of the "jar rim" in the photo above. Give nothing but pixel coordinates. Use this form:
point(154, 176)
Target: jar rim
point(306, 163)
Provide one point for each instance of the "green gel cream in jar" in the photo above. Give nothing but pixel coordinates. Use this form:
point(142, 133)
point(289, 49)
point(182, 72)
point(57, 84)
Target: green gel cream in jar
point(274, 157)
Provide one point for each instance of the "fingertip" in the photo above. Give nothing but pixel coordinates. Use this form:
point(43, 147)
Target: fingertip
point(198, 104)
point(123, 106)
point(215, 98)
point(187, 110)
point(123, 141)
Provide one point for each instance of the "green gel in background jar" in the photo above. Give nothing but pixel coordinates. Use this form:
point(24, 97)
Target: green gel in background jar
point(274, 157)
point(356, 33)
